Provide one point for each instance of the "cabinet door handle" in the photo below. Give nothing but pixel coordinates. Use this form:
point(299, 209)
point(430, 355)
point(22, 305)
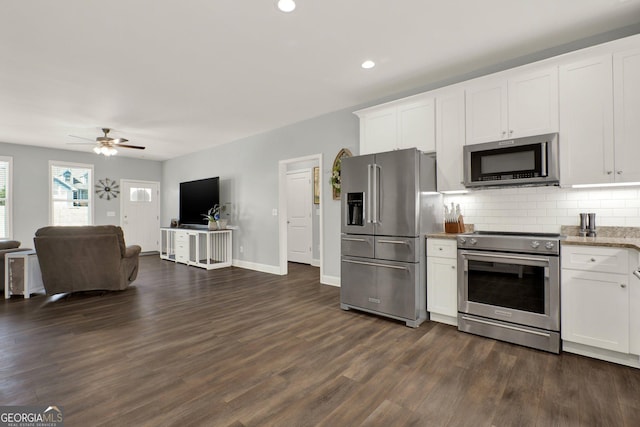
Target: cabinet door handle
point(453, 267)
point(592, 260)
point(619, 172)
point(637, 274)
point(622, 285)
point(609, 172)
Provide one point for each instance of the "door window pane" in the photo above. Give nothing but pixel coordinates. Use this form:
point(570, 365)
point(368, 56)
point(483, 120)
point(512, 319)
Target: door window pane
point(140, 194)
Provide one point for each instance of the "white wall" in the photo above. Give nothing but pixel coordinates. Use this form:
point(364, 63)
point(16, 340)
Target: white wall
point(31, 184)
point(545, 209)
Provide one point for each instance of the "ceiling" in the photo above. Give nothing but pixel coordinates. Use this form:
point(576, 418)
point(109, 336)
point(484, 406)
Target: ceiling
point(179, 77)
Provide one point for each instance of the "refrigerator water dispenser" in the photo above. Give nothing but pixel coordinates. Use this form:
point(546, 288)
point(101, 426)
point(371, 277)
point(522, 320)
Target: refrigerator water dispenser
point(355, 208)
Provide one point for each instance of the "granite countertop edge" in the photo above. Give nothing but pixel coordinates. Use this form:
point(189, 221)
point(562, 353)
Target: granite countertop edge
point(613, 242)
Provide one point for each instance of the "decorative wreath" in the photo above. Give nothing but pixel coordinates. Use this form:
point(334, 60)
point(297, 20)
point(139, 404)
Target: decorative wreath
point(107, 188)
point(334, 180)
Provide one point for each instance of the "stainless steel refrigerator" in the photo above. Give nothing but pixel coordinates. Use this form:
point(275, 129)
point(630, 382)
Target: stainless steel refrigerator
point(388, 203)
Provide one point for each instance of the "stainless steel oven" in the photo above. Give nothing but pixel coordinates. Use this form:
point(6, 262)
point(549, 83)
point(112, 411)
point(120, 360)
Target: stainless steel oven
point(509, 287)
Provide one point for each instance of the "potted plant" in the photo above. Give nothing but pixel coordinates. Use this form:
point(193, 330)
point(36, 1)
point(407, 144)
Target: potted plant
point(213, 215)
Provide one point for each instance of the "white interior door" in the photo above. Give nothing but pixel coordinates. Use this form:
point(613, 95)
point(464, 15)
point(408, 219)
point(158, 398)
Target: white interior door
point(140, 213)
point(299, 228)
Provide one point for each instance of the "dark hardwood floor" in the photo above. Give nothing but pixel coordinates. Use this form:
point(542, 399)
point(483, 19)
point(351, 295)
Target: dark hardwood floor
point(234, 347)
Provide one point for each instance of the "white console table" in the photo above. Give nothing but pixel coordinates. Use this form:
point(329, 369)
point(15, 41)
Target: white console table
point(200, 248)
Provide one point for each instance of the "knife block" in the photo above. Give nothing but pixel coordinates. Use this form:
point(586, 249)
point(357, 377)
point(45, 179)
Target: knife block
point(454, 227)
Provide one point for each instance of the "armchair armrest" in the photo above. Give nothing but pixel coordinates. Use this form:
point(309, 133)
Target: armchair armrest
point(132, 251)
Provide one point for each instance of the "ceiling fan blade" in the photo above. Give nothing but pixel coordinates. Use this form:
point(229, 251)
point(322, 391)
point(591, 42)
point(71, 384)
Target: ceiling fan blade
point(82, 137)
point(119, 140)
point(131, 146)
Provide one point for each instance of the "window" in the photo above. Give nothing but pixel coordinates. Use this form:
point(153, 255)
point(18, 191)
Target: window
point(71, 201)
point(6, 225)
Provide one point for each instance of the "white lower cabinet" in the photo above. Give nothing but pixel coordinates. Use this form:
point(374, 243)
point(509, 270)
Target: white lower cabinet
point(442, 280)
point(600, 298)
point(595, 309)
point(634, 304)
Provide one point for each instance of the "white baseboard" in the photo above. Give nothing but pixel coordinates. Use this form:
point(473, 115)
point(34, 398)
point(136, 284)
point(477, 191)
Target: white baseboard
point(599, 353)
point(442, 318)
point(330, 280)
point(264, 268)
point(315, 263)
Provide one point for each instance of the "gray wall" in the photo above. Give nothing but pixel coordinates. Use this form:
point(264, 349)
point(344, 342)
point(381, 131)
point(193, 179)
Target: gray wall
point(31, 184)
point(248, 171)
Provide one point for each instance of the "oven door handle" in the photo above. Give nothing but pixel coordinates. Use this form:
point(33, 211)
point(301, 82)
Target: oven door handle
point(513, 257)
point(513, 328)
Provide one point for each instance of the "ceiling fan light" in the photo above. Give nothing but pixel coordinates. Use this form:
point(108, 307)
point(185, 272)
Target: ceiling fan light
point(96, 150)
point(286, 5)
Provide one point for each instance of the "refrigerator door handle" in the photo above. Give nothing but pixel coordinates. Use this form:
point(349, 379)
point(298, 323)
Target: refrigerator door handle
point(368, 208)
point(375, 194)
point(373, 264)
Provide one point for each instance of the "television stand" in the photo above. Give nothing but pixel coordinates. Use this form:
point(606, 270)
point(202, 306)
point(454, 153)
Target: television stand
point(197, 247)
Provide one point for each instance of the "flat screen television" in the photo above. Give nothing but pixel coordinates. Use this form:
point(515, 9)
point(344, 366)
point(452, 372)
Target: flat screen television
point(196, 198)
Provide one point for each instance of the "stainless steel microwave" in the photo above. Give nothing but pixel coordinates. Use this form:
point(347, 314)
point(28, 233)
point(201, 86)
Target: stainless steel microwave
point(532, 160)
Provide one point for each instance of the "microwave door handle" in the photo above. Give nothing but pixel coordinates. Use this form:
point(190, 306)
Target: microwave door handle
point(543, 160)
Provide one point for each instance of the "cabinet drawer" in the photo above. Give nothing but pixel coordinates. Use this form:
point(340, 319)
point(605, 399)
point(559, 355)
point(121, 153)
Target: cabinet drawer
point(181, 237)
point(594, 258)
point(356, 245)
point(442, 248)
point(385, 287)
point(397, 248)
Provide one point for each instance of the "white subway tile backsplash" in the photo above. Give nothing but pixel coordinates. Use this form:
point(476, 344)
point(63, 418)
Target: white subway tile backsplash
point(567, 204)
point(545, 209)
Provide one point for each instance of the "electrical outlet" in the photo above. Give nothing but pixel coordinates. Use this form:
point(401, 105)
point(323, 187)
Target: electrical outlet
point(241, 249)
point(274, 212)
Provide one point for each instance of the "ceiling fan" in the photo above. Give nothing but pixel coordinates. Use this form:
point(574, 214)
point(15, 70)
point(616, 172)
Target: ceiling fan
point(106, 145)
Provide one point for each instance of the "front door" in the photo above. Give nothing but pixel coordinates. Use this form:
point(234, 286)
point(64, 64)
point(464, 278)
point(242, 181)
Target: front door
point(299, 229)
point(140, 213)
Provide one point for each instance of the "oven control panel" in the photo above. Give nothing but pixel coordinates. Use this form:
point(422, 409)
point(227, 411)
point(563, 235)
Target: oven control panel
point(511, 242)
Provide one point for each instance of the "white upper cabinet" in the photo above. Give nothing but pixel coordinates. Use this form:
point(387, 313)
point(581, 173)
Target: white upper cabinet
point(486, 108)
point(450, 131)
point(626, 107)
point(523, 104)
point(406, 123)
point(599, 125)
point(378, 131)
point(416, 125)
point(586, 121)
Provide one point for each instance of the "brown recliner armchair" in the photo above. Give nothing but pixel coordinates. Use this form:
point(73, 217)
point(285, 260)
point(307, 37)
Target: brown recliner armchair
point(86, 258)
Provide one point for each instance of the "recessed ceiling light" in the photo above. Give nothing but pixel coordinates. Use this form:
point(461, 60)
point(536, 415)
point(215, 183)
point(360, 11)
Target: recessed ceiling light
point(368, 64)
point(286, 5)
